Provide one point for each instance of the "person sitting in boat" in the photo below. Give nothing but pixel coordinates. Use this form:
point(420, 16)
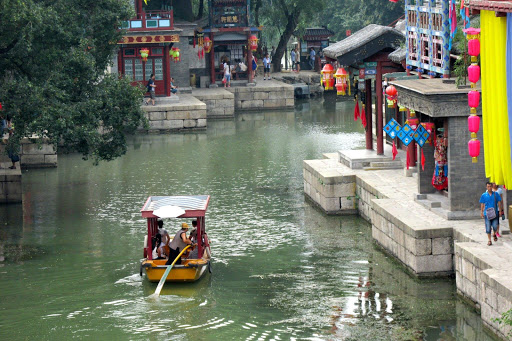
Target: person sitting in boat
point(163, 249)
point(179, 242)
point(193, 239)
point(157, 240)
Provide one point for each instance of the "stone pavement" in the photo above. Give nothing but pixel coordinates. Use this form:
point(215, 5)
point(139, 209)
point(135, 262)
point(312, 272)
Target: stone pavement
point(425, 242)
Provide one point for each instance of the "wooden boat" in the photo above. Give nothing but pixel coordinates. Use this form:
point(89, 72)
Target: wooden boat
point(191, 269)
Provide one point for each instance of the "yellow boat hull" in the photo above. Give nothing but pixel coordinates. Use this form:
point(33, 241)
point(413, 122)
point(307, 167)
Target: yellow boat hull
point(189, 271)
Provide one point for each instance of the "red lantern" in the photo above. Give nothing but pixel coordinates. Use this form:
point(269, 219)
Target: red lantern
point(207, 44)
point(327, 79)
point(473, 123)
point(474, 47)
point(473, 99)
point(341, 76)
point(253, 43)
point(474, 73)
point(144, 53)
point(474, 149)
point(391, 93)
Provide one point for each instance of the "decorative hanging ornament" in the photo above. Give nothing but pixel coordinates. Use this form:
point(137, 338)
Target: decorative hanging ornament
point(253, 43)
point(391, 93)
point(473, 35)
point(327, 79)
point(207, 44)
point(341, 76)
point(144, 53)
point(356, 109)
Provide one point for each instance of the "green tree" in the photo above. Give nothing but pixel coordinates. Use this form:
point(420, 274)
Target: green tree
point(285, 16)
point(353, 15)
point(53, 80)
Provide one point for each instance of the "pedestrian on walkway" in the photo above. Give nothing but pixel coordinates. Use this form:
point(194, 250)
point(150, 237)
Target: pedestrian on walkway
point(151, 89)
point(266, 67)
point(497, 189)
point(297, 60)
point(489, 203)
point(227, 75)
point(294, 58)
point(312, 54)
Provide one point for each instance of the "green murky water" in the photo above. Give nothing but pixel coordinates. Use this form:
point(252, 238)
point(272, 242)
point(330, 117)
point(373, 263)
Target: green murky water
point(69, 256)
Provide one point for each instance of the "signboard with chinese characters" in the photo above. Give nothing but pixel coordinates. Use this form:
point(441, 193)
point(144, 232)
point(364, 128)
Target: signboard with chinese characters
point(229, 13)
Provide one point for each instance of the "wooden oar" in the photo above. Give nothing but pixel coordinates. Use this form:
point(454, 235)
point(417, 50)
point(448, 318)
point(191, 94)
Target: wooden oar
point(166, 273)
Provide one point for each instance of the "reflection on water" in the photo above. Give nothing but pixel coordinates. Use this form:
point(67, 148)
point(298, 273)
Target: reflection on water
point(69, 256)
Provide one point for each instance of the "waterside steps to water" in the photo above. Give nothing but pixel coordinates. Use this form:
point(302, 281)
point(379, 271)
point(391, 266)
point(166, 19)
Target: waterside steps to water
point(416, 230)
point(185, 111)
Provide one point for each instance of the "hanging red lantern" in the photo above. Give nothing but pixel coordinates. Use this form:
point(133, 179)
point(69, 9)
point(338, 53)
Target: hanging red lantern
point(327, 77)
point(341, 76)
point(207, 44)
point(473, 35)
point(474, 149)
point(144, 53)
point(473, 100)
point(253, 43)
point(473, 124)
point(474, 73)
point(473, 96)
point(391, 93)
point(176, 54)
point(474, 47)
point(413, 121)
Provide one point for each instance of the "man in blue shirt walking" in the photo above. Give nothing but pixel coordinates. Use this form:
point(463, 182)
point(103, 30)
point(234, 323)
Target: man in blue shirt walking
point(489, 203)
point(312, 54)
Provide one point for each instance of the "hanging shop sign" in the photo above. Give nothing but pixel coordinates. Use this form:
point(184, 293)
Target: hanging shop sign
point(171, 38)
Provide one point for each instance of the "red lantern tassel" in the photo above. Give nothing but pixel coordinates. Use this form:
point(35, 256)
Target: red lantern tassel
point(394, 151)
point(356, 110)
point(407, 160)
point(363, 117)
point(422, 160)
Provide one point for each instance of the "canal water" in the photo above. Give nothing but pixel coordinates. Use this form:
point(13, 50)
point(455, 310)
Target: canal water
point(282, 270)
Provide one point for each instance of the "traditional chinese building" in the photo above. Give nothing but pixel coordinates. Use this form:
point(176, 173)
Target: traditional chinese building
point(313, 37)
point(146, 46)
point(428, 36)
point(229, 31)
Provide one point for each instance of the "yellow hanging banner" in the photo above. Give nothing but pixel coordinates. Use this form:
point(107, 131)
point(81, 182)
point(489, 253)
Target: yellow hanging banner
point(498, 166)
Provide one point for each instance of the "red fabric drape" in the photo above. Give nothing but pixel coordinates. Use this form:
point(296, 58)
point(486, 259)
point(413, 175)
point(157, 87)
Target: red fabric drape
point(363, 117)
point(356, 111)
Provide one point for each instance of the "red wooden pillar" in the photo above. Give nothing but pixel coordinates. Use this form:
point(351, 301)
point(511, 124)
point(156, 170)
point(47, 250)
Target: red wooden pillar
point(411, 148)
point(200, 231)
point(369, 114)
point(167, 71)
point(378, 91)
point(138, 6)
point(120, 62)
point(212, 61)
point(249, 59)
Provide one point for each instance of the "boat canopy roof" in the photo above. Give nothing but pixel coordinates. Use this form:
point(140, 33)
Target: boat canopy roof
point(194, 205)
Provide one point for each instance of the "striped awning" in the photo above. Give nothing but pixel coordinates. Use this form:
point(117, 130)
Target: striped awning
point(186, 202)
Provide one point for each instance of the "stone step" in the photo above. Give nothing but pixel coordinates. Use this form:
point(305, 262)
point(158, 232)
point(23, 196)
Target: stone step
point(386, 164)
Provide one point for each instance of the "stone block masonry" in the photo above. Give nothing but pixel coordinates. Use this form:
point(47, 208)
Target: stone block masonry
point(188, 113)
point(32, 154)
point(10, 186)
point(427, 244)
point(219, 102)
point(269, 94)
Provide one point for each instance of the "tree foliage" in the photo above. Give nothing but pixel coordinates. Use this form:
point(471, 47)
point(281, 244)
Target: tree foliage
point(282, 17)
point(353, 15)
point(53, 57)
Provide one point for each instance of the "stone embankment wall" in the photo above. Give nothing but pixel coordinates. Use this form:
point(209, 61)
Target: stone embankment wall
point(219, 102)
point(10, 186)
point(32, 155)
point(188, 113)
point(271, 95)
point(424, 242)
